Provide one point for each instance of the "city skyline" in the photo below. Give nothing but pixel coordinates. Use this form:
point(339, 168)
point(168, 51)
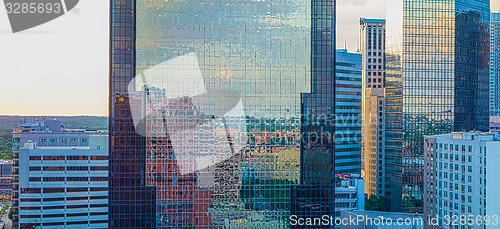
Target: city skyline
point(47, 78)
point(250, 114)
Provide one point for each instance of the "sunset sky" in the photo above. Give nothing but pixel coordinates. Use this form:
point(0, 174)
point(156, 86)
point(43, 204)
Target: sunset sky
point(61, 67)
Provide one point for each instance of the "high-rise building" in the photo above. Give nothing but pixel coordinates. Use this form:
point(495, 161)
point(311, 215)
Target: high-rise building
point(372, 47)
point(374, 142)
point(495, 64)
point(62, 176)
point(221, 112)
point(437, 56)
point(348, 113)
point(460, 179)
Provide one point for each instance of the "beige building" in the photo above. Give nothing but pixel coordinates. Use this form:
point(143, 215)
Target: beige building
point(374, 141)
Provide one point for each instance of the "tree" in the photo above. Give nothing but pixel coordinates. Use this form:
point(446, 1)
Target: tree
point(10, 214)
point(377, 203)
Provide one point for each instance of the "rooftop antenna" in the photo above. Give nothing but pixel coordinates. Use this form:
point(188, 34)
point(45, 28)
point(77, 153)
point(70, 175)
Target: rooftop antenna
point(345, 43)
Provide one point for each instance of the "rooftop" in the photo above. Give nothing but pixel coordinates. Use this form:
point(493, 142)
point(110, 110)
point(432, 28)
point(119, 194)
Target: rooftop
point(472, 136)
point(50, 126)
point(371, 20)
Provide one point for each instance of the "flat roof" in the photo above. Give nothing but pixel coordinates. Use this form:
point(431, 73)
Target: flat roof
point(374, 20)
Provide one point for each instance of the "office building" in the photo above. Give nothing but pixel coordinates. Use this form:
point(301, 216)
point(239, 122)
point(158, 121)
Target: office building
point(382, 220)
point(221, 113)
point(437, 56)
point(348, 113)
point(372, 47)
point(495, 123)
point(62, 178)
point(374, 167)
point(51, 125)
point(460, 177)
point(495, 64)
point(349, 193)
point(6, 178)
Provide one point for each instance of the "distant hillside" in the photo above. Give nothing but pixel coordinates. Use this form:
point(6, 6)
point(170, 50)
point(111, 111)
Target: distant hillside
point(73, 122)
point(7, 124)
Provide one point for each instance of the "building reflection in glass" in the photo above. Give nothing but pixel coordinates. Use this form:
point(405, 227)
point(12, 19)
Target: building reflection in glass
point(437, 80)
point(223, 94)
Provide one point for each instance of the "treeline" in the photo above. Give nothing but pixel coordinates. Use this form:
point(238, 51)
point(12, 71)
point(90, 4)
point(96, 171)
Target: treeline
point(5, 145)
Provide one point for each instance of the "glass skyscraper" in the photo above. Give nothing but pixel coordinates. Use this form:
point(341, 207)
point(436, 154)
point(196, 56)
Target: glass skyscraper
point(495, 65)
point(348, 112)
point(221, 113)
point(436, 80)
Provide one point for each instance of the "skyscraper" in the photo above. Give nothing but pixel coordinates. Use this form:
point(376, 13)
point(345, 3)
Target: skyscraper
point(495, 65)
point(220, 110)
point(348, 113)
point(374, 167)
point(372, 46)
point(436, 79)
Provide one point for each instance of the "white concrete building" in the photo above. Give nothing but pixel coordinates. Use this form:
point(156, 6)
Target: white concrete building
point(461, 178)
point(63, 179)
point(349, 194)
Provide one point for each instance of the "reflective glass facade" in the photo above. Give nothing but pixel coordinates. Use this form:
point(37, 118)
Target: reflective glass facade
point(221, 112)
point(495, 65)
point(348, 112)
point(437, 63)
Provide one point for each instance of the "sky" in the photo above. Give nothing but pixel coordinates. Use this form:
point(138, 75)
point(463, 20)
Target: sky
point(61, 67)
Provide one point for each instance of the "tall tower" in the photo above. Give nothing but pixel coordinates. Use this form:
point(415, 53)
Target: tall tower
point(375, 165)
point(131, 201)
point(372, 46)
point(495, 65)
point(219, 110)
point(436, 80)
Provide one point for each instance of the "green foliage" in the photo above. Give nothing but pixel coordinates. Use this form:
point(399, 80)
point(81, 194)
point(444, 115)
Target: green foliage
point(5, 145)
point(10, 214)
point(377, 203)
